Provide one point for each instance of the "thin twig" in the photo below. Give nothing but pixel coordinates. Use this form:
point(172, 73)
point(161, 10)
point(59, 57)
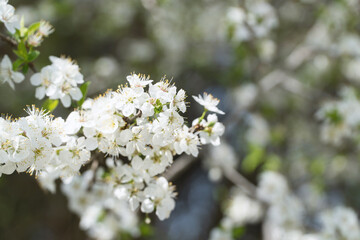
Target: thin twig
point(240, 181)
point(179, 166)
point(32, 67)
point(8, 40)
point(132, 119)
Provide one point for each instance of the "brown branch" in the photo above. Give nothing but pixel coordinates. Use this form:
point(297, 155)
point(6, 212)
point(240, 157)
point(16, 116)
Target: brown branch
point(32, 67)
point(240, 181)
point(8, 40)
point(94, 167)
point(179, 166)
point(132, 119)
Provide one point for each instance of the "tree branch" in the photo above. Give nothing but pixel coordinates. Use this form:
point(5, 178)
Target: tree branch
point(8, 40)
point(240, 181)
point(179, 166)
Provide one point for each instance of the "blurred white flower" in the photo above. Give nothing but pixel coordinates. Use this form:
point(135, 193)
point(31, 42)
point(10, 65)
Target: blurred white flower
point(7, 75)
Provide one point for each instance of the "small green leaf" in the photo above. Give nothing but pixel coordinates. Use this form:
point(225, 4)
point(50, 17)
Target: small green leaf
point(158, 107)
point(102, 216)
point(33, 27)
point(17, 34)
point(238, 232)
point(33, 55)
point(17, 64)
point(272, 163)
point(84, 90)
point(253, 159)
point(146, 230)
point(21, 52)
point(50, 104)
point(25, 68)
point(23, 29)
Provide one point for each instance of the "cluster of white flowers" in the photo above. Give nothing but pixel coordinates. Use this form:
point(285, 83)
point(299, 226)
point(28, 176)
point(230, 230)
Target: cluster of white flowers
point(44, 30)
point(139, 124)
point(101, 214)
point(255, 20)
point(146, 128)
point(7, 75)
point(285, 213)
point(37, 142)
point(340, 223)
point(220, 159)
point(239, 210)
point(59, 80)
point(8, 16)
point(331, 38)
point(340, 118)
point(140, 190)
point(285, 217)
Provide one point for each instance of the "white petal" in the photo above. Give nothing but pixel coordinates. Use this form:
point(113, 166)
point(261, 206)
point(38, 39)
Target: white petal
point(91, 144)
point(76, 94)
point(40, 93)
point(147, 206)
point(6, 62)
point(18, 77)
point(165, 207)
point(66, 101)
point(36, 79)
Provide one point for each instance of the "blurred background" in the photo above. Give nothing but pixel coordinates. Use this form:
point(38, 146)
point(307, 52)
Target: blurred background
point(273, 64)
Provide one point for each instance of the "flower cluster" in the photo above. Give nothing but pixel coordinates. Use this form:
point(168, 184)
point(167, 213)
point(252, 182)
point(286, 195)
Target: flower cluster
point(219, 160)
point(340, 118)
point(101, 214)
point(286, 210)
point(139, 126)
point(340, 223)
point(286, 214)
point(239, 210)
point(140, 190)
point(44, 30)
point(37, 142)
point(141, 123)
point(255, 20)
point(59, 80)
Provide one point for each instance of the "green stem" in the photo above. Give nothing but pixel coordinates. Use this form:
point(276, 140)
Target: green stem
point(203, 115)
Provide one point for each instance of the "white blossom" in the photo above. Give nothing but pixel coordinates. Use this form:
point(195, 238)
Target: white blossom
point(7, 75)
point(8, 16)
point(59, 81)
point(209, 102)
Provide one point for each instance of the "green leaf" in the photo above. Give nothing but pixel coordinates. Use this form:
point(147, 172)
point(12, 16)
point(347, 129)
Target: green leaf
point(17, 64)
point(84, 90)
point(50, 104)
point(238, 232)
point(21, 52)
point(158, 107)
point(272, 163)
point(334, 116)
point(102, 216)
point(33, 27)
point(25, 68)
point(146, 230)
point(17, 34)
point(33, 55)
point(23, 29)
point(254, 158)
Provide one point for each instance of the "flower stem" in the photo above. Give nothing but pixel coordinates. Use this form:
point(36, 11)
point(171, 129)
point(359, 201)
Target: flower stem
point(203, 115)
